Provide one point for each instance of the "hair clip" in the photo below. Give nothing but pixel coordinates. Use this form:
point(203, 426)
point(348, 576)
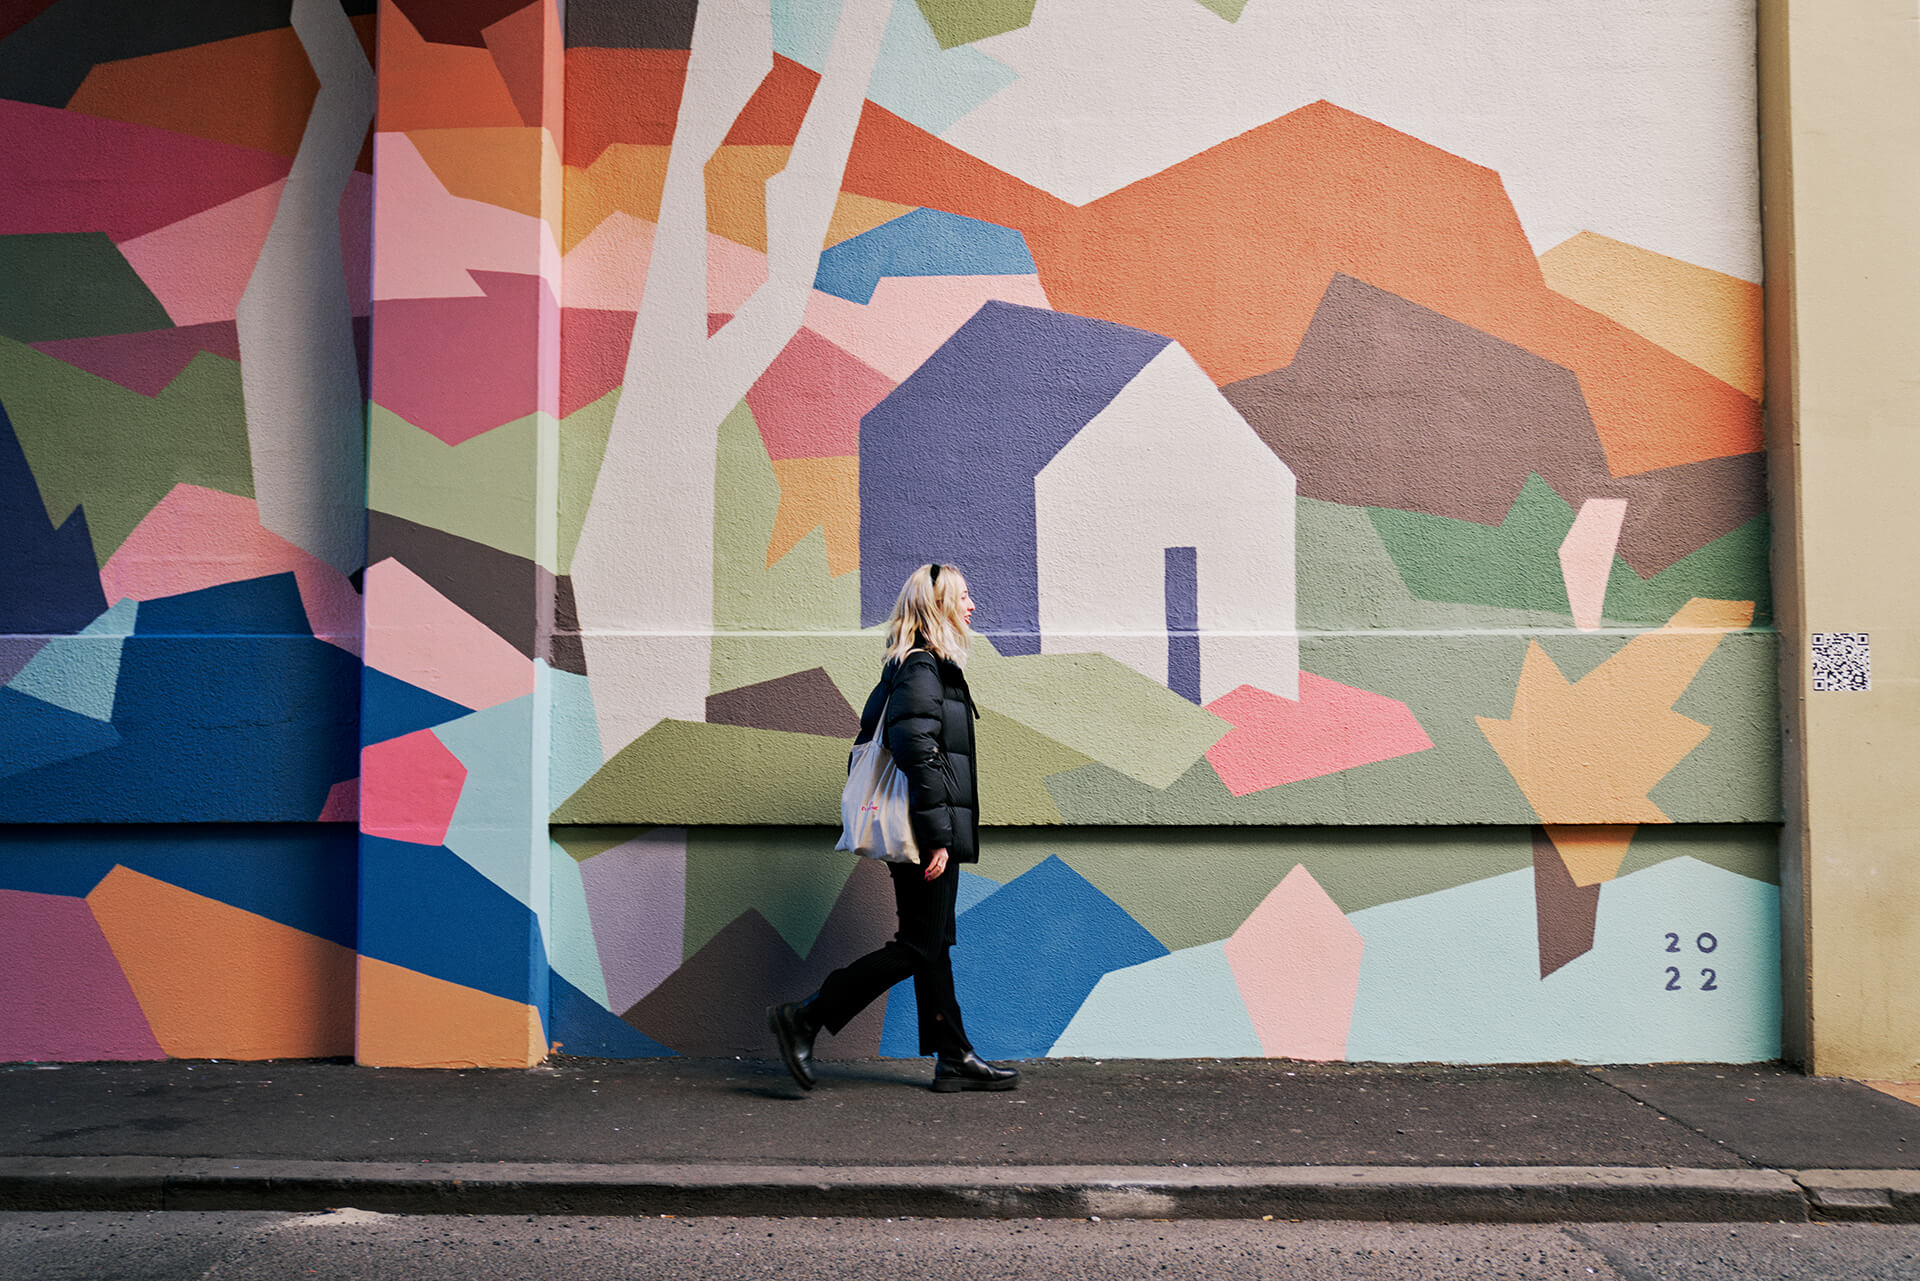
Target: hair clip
point(933, 572)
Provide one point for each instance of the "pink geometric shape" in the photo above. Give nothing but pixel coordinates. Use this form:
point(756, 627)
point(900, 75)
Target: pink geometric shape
point(343, 803)
point(810, 401)
point(593, 354)
point(457, 367)
point(409, 787)
point(636, 900)
point(145, 362)
point(1586, 558)
point(910, 316)
point(1332, 727)
point(430, 239)
point(1296, 961)
point(607, 271)
point(419, 636)
point(199, 537)
point(65, 998)
point(73, 172)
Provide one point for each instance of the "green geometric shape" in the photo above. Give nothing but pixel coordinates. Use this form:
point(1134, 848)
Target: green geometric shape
point(1735, 772)
point(1515, 564)
point(95, 442)
point(72, 285)
point(692, 772)
point(958, 22)
point(1731, 567)
point(583, 442)
point(790, 875)
point(483, 489)
point(582, 843)
point(1014, 764)
point(80, 672)
point(1228, 9)
point(1751, 850)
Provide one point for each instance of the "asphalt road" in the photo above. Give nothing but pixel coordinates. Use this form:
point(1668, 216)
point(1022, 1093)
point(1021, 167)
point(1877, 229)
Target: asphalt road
point(367, 1247)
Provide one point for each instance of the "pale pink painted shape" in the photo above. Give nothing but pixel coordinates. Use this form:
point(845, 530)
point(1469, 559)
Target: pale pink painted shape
point(810, 401)
point(65, 998)
point(637, 899)
point(910, 316)
point(343, 802)
point(419, 636)
point(1296, 961)
point(607, 271)
point(197, 538)
point(1586, 558)
point(1331, 727)
point(430, 238)
point(409, 788)
point(199, 267)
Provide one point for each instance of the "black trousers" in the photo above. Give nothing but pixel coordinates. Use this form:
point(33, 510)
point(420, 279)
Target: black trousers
point(920, 949)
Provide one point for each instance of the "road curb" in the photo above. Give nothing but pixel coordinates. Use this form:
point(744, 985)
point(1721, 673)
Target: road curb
point(1481, 1194)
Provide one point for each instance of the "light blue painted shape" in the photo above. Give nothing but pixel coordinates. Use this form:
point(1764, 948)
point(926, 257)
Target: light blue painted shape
point(80, 672)
point(570, 946)
point(1182, 1006)
point(915, 78)
point(576, 736)
point(494, 822)
point(1455, 976)
point(974, 890)
point(924, 242)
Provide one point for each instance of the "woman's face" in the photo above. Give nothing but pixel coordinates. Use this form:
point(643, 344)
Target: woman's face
point(966, 606)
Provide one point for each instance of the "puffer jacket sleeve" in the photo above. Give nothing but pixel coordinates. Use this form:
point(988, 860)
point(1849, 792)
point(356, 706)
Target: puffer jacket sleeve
point(913, 739)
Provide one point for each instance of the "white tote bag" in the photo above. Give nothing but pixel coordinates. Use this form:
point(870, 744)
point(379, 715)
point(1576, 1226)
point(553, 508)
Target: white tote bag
point(873, 805)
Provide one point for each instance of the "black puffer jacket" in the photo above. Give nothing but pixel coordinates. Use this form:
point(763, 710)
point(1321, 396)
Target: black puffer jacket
point(930, 717)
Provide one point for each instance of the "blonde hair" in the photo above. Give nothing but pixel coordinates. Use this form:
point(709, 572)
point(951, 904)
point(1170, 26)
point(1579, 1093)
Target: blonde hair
point(928, 615)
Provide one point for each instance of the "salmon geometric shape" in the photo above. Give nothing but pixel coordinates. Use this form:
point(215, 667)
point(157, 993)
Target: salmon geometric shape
point(809, 402)
point(1586, 558)
point(65, 998)
point(417, 635)
point(1592, 852)
point(1296, 960)
point(409, 788)
point(217, 981)
point(409, 1019)
point(1332, 727)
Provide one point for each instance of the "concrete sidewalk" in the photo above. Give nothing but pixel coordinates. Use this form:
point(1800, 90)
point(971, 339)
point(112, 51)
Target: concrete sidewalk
point(1156, 1139)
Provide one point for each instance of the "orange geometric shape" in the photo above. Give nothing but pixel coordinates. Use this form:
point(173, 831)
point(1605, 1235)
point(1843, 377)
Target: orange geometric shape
point(410, 1019)
point(526, 48)
point(624, 178)
point(1592, 852)
point(819, 493)
point(409, 788)
point(437, 86)
point(502, 167)
point(856, 215)
point(216, 981)
point(1296, 961)
point(621, 95)
point(1589, 751)
point(737, 192)
point(1703, 316)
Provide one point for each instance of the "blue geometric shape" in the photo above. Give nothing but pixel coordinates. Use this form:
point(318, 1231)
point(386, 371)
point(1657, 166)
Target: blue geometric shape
point(583, 1029)
point(1183, 621)
point(303, 875)
point(393, 708)
point(925, 242)
point(424, 908)
point(79, 672)
point(974, 890)
point(1026, 962)
point(34, 733)
point(214, 726)
point(494, 816)
point(914, 78)
point(49, 581)
point(948, 459)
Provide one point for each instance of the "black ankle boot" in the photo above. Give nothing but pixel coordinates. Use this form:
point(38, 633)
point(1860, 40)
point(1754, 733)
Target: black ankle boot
point(955, 1072)
point(794, 1026)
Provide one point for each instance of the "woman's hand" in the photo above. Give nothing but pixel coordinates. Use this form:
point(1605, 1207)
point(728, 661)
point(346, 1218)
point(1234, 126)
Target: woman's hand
point(936, 864)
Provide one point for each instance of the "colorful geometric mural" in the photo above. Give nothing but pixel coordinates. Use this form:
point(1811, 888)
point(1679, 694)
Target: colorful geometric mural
point(1329, 445)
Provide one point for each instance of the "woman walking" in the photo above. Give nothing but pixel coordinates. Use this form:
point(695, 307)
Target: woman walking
point(923, 701)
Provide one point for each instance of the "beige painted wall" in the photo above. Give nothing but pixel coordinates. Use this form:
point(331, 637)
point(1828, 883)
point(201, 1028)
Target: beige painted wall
point(1841, 138)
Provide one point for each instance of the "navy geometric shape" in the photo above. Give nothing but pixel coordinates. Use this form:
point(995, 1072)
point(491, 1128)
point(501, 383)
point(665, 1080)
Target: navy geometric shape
point(925, 242)
point(424, 908)
point(585, 1030)
point(1028, 957)
point(268, 606)
point(33, 733)
point(49, 582)
point(948, 459)
point(391, 707)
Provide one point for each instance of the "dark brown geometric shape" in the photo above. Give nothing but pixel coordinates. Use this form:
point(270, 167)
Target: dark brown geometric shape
point(622, 24)
point(803, 703)
point(565, 652)
point(1675, 511)
point(501, 590)
point(457, 21)
point(715, 1004)
point(1564, 912)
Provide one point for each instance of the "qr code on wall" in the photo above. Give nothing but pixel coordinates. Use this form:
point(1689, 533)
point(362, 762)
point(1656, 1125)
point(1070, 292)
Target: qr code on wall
point(1841, 662)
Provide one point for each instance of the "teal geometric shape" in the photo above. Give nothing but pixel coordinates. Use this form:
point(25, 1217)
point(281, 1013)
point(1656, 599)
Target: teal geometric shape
point(1184, 1005)
point(1515, 564)
point(570, 947)
point(80, 672)
point(574, 754)
point(915, 78)
point(1455, 976)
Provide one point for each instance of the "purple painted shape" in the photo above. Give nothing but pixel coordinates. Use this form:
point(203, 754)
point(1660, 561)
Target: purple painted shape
point(74, 172)
point(145, 362)
point(457, 367)
point(947, 461)
point(1183, 621)
point(637, 901)
point(65, 999)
